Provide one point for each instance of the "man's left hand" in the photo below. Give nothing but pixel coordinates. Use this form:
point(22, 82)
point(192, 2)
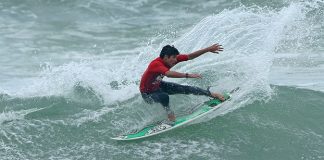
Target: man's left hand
point(215, 48)
point(194, 76)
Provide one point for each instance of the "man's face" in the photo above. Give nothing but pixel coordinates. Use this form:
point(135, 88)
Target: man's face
point(170, 60)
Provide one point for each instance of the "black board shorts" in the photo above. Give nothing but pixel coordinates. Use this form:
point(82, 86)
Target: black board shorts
point(168, 88)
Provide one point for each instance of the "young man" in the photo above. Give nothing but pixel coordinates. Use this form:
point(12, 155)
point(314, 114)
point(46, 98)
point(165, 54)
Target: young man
point(153, 89)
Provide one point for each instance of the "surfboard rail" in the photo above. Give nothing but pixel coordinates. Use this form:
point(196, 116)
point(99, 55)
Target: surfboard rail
point(161, 127)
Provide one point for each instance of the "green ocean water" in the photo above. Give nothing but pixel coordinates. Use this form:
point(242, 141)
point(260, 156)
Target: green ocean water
point(70, 74)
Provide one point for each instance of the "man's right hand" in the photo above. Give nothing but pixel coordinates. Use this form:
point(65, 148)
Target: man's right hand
point(194, 75)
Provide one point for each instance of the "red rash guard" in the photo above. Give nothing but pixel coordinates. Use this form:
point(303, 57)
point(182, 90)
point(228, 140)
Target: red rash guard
point(154, 73)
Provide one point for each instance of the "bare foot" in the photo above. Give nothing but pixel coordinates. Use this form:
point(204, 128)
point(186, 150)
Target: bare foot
point(171, 117)
point(218, 96)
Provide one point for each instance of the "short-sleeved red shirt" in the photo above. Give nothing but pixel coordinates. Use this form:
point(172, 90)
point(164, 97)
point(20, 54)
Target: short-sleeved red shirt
point(155, 72)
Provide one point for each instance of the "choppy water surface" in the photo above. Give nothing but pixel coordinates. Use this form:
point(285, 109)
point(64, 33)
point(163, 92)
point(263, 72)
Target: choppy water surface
point(70, 72)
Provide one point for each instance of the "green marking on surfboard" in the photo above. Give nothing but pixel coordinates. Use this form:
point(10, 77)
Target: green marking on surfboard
point(154, 128)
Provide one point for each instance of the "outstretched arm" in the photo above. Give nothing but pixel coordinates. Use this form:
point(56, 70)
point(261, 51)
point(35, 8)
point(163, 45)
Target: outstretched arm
point(215, 48)
point(174, 74)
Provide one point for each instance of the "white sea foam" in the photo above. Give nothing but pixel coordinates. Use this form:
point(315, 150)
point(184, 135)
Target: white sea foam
point(8, 116)
point(263, 46)
point(250, 36)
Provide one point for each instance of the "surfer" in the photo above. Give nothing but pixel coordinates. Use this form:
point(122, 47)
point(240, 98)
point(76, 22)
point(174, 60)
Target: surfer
point(153, 89)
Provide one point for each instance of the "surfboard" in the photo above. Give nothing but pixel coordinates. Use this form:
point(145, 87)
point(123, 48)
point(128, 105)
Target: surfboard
point(164, 126)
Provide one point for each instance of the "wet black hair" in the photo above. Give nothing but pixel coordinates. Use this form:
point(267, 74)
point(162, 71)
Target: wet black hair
point(168, 51)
